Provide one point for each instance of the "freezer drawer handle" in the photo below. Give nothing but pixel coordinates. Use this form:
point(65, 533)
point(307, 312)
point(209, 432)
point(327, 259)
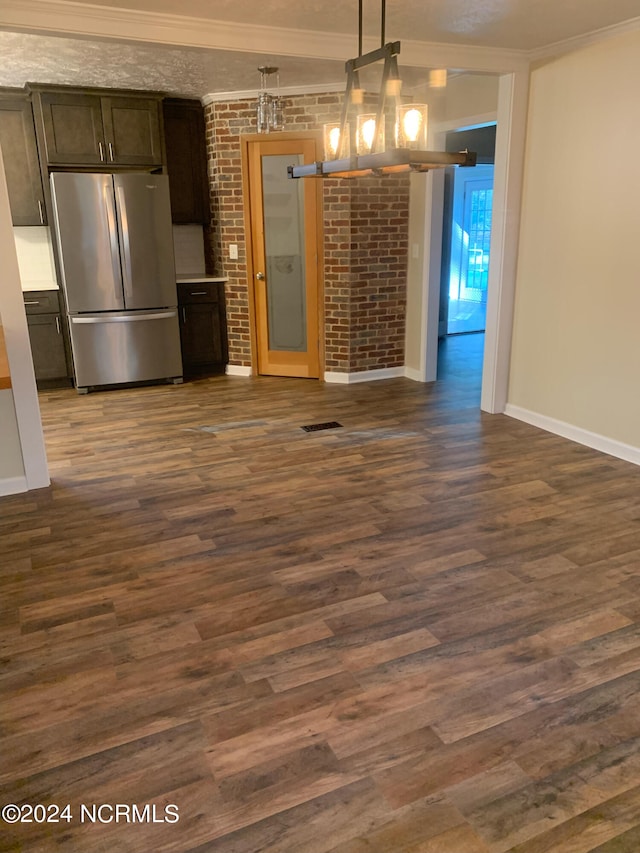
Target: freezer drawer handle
point(129, 318)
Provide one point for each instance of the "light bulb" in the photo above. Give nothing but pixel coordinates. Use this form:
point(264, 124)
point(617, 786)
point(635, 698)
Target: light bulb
point(335, 144)
point(368, 132)
point(412, 122)
point(334, 140)
point(369, 136)
point(411, 125)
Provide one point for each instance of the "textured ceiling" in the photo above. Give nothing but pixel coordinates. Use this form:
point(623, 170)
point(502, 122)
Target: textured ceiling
point(51, 54)
point(518, 24)
point(189, 72)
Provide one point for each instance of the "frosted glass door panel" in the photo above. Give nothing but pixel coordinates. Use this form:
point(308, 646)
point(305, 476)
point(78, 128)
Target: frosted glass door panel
point(284, 246)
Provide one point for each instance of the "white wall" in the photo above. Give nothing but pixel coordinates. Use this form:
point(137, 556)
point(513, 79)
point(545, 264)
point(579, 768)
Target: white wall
point(423, 269)
point(467, 99)
point(23, 463)
point(12, 476)
point(575, 354)
point(35, 258)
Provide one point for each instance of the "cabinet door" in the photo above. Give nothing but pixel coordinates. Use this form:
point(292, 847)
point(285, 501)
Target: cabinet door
point(132, 131)
point(200, 337)
point(73, 128)
point(20, 154)
point(47, 346)
point(184, 134)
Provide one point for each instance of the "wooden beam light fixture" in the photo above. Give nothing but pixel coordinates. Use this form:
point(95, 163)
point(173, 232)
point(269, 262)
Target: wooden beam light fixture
point(357, 148)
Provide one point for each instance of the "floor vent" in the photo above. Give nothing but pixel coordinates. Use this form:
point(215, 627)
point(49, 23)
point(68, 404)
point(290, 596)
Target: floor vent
point(316, 427)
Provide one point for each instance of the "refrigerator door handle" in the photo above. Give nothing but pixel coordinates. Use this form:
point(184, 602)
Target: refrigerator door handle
point(123, 225)
point(124, 318)
point(107, 196)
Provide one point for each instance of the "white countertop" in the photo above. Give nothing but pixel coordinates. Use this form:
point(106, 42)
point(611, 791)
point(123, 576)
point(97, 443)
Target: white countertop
point(28, 286)
point(198, 278)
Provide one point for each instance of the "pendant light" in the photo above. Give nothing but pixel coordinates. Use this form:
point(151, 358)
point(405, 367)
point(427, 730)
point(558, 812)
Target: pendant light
point(269, 107)
point(357, 148)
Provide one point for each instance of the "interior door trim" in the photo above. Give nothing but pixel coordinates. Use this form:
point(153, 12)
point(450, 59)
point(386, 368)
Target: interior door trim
point(252, 269)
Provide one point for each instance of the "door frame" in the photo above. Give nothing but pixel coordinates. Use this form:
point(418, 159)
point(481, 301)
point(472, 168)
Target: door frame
point(511, 118)
point(285, 136)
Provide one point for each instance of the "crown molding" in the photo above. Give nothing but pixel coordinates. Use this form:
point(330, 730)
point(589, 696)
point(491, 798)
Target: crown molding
point(560, 48)
point(283, 92)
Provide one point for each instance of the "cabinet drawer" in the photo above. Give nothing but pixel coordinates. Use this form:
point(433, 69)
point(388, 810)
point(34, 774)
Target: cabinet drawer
point(42, 302)
point(200, 292)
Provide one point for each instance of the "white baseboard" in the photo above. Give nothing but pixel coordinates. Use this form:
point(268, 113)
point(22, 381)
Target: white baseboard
point(13, 486)
point(364, 375)
point(582, 436)
point(238, 370)
point(416, 375)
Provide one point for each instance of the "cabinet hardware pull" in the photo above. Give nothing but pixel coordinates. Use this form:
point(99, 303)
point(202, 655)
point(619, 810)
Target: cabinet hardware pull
point(41, 212)
point(184, 316)
point(101, 150)
point(198, 293)
point(111, 152)
point(33, 302)
point(57, 324)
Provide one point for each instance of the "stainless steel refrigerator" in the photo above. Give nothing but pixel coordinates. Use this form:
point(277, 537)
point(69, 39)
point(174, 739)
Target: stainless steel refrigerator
point(115, 245)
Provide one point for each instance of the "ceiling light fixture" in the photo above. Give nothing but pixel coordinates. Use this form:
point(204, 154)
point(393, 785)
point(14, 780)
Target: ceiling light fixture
point(358, 148)
point(269, 107)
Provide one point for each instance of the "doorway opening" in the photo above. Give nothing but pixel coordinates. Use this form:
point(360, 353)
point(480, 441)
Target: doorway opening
point(468, 271)
point(466, 238)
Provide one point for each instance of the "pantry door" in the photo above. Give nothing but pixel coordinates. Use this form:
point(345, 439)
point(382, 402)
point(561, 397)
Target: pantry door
point(284, 219)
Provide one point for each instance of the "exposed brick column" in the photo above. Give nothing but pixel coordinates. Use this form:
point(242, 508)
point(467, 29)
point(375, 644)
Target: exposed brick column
point(224, 123)
point(379, 244)
point(365, 244)
point(337, 273)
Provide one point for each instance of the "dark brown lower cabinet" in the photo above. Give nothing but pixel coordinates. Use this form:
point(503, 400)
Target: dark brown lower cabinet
point(203, 328)
point(46, 336)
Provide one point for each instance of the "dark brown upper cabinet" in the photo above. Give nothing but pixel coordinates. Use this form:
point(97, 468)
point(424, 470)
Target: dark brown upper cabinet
point(184, 133)
point(20, 154)
point(98, 129)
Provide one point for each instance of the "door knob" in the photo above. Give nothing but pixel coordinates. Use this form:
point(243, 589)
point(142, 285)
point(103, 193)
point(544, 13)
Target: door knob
point(260, 276)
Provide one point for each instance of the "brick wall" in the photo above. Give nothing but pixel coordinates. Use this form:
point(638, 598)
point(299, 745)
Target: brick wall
point(365, 244)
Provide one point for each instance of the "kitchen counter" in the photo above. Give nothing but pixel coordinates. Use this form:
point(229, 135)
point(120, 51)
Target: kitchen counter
point(5, 375)
point(197, 278)
point(31, 286)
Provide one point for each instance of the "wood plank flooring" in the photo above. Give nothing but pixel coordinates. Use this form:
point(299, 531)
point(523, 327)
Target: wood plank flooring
point(418, 633)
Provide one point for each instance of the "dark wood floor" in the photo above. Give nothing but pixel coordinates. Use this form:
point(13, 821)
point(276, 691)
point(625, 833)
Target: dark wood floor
point(417, 633)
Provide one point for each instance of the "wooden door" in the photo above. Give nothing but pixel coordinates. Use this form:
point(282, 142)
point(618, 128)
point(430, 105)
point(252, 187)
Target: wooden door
point(284, 217)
